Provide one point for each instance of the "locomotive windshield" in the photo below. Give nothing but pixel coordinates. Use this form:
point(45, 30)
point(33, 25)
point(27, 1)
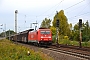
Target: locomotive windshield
point(45, 32)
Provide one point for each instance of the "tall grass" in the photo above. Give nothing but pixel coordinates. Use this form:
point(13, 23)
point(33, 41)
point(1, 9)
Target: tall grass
point(11, 51)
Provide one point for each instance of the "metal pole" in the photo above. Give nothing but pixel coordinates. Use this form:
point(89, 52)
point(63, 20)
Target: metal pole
point(57, 27)
point(16, 20)
point(5, 30)
point(25, 21)
point(35, 25)
point(57, 36)
point(9, 34)
point(31, 25)
point(80, 38)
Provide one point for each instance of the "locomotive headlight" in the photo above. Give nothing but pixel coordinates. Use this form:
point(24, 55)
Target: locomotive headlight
point(49, 37)
point(41, 36)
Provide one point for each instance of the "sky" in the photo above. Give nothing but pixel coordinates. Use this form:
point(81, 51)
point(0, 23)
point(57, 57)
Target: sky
point(30, 11)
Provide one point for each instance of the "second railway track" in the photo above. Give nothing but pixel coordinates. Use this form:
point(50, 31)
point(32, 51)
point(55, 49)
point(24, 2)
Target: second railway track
point(72, 51)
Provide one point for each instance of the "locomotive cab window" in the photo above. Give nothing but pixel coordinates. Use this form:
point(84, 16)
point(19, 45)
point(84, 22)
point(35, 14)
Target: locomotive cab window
point(45, 32)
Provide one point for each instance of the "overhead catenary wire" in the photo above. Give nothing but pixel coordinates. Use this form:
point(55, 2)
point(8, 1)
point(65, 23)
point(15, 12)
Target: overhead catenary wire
point(79, 15)
point(71, 6)
point(55, 9)
point(51, 8)
point(76, 8)
point(74, 5)
point(81, 12)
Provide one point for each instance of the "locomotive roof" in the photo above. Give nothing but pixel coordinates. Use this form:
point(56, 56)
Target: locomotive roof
point(26, 31)
point(43, 28)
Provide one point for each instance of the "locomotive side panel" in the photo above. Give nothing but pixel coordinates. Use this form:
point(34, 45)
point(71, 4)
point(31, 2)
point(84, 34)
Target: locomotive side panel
point(32, 36)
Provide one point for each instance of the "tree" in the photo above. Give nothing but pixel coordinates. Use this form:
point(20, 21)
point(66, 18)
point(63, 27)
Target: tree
point(53, 29)
point(63, 24)
point(7, 33)
point(70, 26)
point(85, 31)
point(71, 31)
point(11, 32)
point(46, 23)
point(76, 32)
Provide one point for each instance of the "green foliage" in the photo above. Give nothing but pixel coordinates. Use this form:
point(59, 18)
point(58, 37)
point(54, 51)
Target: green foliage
point(66, 37)
point(53, 29)
point(75, 33)
point(11, 32)
point(64, 41)
point(85, 32)
point(7, 33)
point(75, 43)
point(46, 23)
point(63, 24)
point(11, 51)
point(54, 38)
point(86, 44)
point(85, 38)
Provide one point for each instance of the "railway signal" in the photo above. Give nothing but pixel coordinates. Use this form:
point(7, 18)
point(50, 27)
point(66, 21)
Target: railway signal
point(80, 23)
point(57, 23)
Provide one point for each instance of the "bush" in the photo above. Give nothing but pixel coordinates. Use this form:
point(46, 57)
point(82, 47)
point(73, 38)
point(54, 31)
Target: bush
point(64, 41)
point(85, 38)
point(75, 43)
point(66, 37)
point(54, 38)
point(86, 44)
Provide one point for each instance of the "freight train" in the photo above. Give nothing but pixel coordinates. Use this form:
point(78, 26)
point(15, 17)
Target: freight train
point(42, 36)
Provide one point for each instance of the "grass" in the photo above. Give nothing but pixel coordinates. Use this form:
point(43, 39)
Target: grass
point(75, 43)
point(69, 42)
point(86, 44)
point(11, 51)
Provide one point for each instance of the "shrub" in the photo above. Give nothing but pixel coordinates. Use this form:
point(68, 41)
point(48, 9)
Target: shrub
point(54, 38)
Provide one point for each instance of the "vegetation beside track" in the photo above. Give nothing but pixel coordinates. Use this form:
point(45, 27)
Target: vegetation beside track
point(75, 43)
point(11, 51)
point(66, 41)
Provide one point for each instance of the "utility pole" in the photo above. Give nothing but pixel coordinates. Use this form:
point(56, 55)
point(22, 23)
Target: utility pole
point(5, 31)
point(25, 21)
point(35, 25)
point(1, 25)
point(16, 11)
point(9, 34)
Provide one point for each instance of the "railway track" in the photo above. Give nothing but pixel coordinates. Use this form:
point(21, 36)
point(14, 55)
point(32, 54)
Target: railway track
point(74, 51)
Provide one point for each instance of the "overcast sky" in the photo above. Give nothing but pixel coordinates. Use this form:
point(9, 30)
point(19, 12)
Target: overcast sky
point(30, 11)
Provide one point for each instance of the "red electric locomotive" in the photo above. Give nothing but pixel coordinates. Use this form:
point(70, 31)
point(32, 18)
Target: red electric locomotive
point(40, 36)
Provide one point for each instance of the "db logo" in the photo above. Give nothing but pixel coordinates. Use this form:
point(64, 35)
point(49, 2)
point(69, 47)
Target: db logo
point(32, 36)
